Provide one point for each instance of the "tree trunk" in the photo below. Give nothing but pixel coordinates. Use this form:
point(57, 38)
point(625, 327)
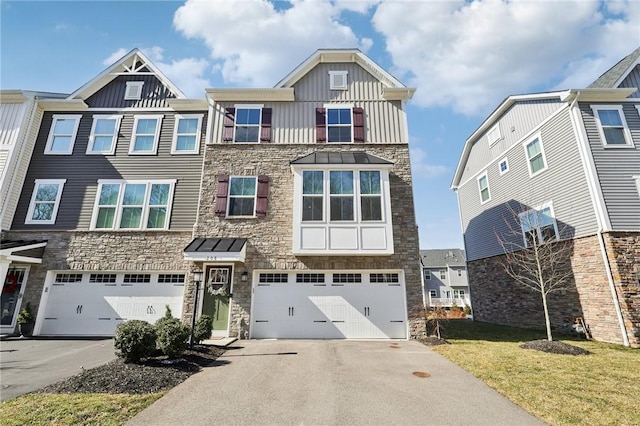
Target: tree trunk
point(546, 316)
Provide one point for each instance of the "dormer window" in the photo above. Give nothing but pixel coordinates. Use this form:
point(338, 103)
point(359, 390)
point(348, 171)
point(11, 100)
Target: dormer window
point(134, 90)
point(338, 80)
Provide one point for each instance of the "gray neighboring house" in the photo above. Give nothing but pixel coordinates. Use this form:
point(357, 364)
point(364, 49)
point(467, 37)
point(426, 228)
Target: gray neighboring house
point(571, 160)
point(445, 277)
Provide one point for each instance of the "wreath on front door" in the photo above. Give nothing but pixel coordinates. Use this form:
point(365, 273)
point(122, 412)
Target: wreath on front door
point(218, 289)
point(10, 284)
point(218, 283)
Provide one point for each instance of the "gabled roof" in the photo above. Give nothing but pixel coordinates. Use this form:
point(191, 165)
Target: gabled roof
point(134, 62)
point(347, 56)
point(437, 258)
point(340, 158)
point(616, 74)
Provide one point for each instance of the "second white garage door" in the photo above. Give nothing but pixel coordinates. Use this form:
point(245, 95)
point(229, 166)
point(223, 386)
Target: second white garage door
point(350, 305)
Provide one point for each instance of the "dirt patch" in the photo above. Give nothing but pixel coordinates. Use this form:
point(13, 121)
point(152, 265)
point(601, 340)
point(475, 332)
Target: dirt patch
point(433, 341)
point(554, 347)
point(153, 375)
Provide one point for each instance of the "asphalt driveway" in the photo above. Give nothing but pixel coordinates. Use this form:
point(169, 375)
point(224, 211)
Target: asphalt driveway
point(30, 364)
point(265, 382)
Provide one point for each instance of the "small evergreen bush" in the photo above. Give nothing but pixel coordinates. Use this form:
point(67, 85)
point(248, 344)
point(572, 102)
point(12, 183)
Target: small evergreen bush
point(172, 336)
point(135, 339)
point(203, 328)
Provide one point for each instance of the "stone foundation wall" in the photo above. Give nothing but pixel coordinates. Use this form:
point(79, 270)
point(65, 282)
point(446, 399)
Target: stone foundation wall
point(270, 238)
point(497, 298)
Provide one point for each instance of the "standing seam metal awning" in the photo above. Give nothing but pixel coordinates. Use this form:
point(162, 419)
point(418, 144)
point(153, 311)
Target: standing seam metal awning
point(216, 250)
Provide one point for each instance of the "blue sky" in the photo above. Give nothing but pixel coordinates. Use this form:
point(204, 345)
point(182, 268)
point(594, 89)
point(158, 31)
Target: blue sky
point(464, 57)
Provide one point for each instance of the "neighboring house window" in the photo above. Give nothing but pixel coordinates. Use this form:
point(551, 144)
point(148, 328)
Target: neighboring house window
point(242, 196)
point(312, 195)
point(339, 124)
point(133, 204)
point(45, 201)
point(62, 135)
point(427, 275)
point(459, 272)
point(448, 293)
point(612, 126)
point(483, 185)
point(104, 134)
point(494, 135)
point(443, 274)
point(247, 124)
point(458, 294)
point(146, 132)
point(535, 156)
point(133, 91)
point(186, 134)
point(504, 166)
point(338, 80)
point(539, 225)
point(433, 293)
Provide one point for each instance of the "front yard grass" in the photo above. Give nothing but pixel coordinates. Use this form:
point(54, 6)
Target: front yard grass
point(74, 409)
point(597, 389)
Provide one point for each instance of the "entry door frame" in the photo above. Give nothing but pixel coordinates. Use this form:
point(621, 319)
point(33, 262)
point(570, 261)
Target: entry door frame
point(10, 328)
point(206, 267)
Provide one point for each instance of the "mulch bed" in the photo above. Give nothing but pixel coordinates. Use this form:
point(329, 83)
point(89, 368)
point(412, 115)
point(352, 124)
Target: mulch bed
point(152, 375)
point(554, 347)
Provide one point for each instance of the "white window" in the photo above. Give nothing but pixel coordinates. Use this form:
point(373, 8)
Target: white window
point(133, 91)
point(247, 123)
point(186, 134)
point(45, 201)
point(483, 186)
point(443, 274)
point(612, 126)
point(535, 155)
point(146, 132)
point(313, 195)
point(494, 134)
point(104, 134)
point(339, 125)
point(538, 225)
point(242, 196)
point(503, 166)
point(458, 294)
point(338, 80)
point(62, 135)
point(427, 275)
point(133, 204)
point(341, 195)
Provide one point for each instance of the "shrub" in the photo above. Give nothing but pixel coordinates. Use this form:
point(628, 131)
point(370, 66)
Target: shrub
point(467, 310)
point(135, 339)
point(202, 329)
point(26, 315)
point(172, 336)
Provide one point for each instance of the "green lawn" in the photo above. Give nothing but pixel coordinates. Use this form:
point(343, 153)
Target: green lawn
point(597, 389)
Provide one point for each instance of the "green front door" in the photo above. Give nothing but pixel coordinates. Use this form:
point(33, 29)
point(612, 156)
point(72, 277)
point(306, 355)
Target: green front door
point(217, 305)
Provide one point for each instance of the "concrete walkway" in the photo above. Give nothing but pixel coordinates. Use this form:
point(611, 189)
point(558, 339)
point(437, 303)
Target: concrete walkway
point(303, 382)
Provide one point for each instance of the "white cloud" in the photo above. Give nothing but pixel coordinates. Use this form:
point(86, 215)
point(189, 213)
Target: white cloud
point(256, 43)
point(470, 55)
point(421, 167)
point(188, 74)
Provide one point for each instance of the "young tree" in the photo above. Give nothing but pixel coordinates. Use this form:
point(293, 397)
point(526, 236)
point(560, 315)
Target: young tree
point(535, 256)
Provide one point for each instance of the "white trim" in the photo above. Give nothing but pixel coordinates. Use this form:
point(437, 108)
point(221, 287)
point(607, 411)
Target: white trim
point(156, 135)
point(496, 137)
point(541, 207)
point(145, 205)
point(327, 107)
point(506, 161)
point(29, 219)
point(255, 198)
point(133, 91)
point(626, 133)
point(56, 117)
point(114, 137)
point(333, 76)
point(218, 256)
point(198, 134)
point(528, 142)
point(480, 189)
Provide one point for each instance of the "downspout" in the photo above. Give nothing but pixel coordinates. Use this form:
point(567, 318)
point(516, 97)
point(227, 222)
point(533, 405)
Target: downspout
point(575, 120)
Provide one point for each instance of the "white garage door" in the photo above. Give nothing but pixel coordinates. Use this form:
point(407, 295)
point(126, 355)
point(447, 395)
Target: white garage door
point(351, 305)
point(93, 304)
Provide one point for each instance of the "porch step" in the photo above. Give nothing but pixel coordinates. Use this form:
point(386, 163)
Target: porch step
point(222, 342)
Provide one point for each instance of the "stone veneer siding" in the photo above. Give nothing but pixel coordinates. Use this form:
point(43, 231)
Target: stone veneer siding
point(497, 298)
point(102, 251)
point(270, 238)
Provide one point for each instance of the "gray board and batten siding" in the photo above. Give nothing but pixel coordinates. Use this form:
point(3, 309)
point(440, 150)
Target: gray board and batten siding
point(154, 94)
point(632, 80)
point(563, 183)
point(520, 119)
point(615, 167)
point(295, 122)
point(83, 172)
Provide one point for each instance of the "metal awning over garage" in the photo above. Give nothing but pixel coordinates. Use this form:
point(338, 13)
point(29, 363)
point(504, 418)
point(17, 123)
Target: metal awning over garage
point(22, 251)
point(216, 250)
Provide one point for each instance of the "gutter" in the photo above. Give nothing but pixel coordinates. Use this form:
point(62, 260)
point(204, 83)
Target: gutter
point(575, 119)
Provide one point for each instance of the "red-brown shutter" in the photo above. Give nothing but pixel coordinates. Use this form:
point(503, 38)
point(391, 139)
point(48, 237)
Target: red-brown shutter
point(265, 127)
point(229, 122)
point(221, 195)
point(263, 192)
point(321, 129)
point(358, 125)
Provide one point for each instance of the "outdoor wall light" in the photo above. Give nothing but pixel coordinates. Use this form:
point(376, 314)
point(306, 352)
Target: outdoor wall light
point(244, 276)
